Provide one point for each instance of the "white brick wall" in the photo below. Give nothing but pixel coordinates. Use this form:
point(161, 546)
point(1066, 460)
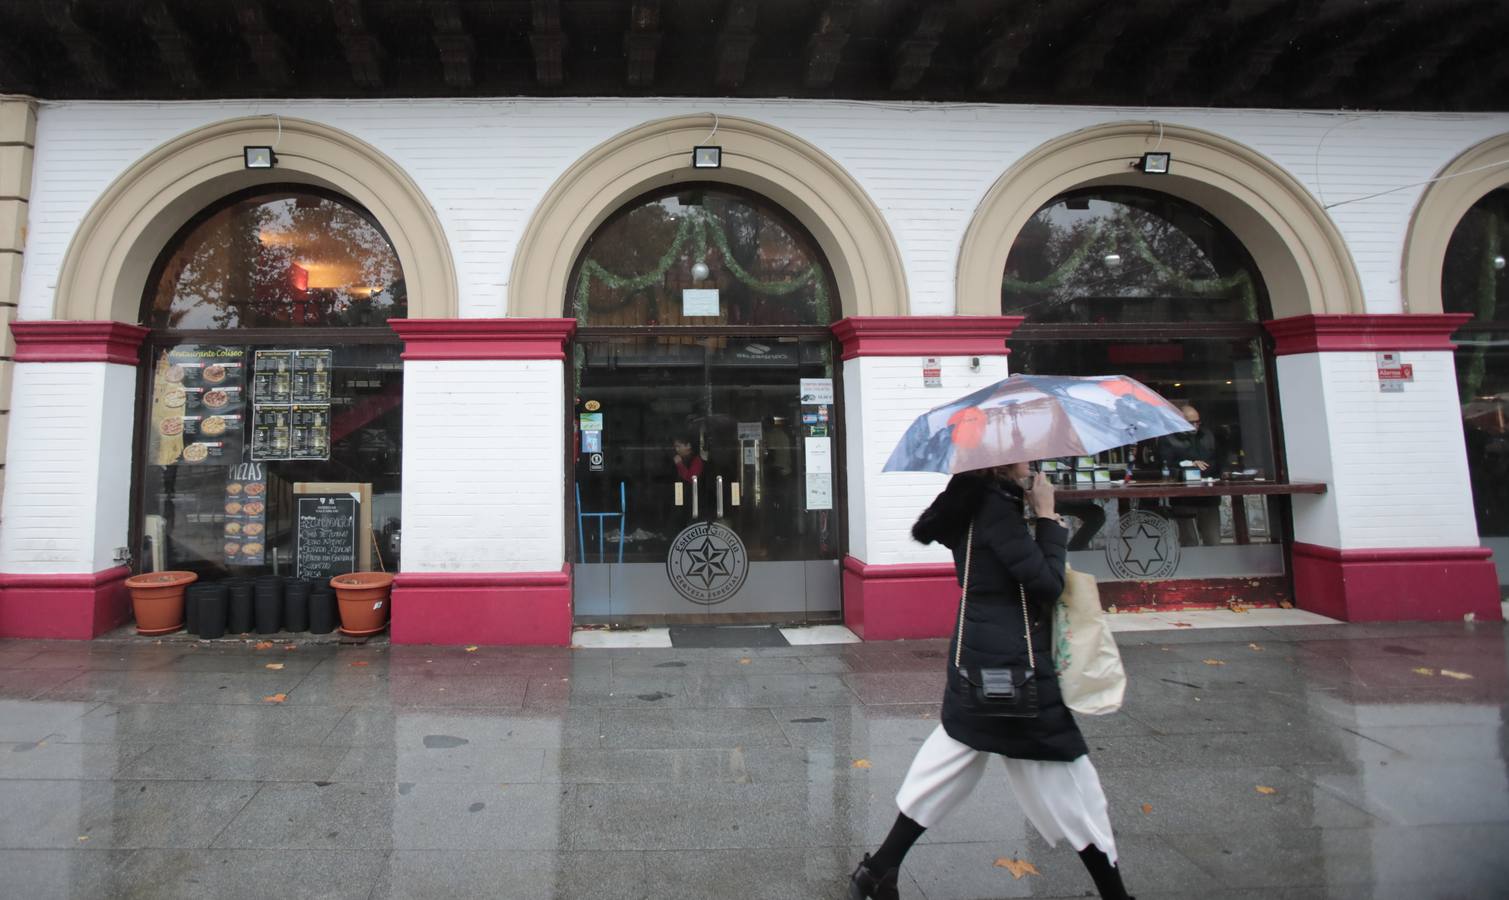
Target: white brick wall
point(68, 490)
point(1396, 463)
point(485, 165)
point(882, 395)
point(483, 466)
point(484, 483)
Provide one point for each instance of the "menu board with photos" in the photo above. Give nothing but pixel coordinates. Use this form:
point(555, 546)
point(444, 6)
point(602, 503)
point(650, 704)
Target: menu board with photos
point(198, 405)
point(245, 515)
point(291, 404)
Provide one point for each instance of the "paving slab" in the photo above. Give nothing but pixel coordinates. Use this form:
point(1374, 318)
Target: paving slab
point(1297, 762)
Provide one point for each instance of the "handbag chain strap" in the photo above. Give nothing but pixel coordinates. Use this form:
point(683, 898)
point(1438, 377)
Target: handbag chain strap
point(969, 547)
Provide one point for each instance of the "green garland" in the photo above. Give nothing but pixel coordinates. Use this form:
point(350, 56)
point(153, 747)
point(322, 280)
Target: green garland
point(696, 227)
point(1240, 284)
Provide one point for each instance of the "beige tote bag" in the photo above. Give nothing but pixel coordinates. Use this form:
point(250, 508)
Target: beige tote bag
point(1090, 673)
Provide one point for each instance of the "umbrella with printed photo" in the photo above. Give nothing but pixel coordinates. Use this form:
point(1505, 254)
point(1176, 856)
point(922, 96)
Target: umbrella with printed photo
point(1032, 417)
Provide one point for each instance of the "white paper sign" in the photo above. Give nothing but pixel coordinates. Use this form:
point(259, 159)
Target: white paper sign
point(819, 455)
point(816, 390)
point(749, 431)
point(819, 490)
point(700, 302)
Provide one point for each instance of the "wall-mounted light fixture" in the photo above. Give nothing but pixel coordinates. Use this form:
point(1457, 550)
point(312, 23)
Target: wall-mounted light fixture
point(707, 157)
point(259, 157)
point(1155, 163)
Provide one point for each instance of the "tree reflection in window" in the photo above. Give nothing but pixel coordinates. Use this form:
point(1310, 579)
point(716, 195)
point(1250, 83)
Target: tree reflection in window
point(1124, 255)
point(765, 268)
point(278, 260)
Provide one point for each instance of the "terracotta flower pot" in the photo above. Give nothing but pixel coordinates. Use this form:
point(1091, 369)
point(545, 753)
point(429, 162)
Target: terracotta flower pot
point(363, 601)
point(157, 600)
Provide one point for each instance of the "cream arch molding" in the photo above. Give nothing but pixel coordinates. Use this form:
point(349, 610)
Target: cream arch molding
point(1465, 180)
point(112, 253)
point(1298, 249)
point(776, 164)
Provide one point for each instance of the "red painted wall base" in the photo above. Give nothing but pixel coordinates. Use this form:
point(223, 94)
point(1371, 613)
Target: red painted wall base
point(888, 603)
point(508, 608)
point(70, 607)
point(1436, 583)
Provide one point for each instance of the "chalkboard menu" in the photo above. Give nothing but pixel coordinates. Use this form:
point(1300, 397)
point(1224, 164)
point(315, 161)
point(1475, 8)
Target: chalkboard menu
point(325, 539)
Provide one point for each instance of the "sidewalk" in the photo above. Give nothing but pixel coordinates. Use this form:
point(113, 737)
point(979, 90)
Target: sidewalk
point(1337, 761)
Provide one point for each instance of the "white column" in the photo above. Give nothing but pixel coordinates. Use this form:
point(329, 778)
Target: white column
point(882, 396)
point(67, 499)
point(1395, 463)
point(483, 465)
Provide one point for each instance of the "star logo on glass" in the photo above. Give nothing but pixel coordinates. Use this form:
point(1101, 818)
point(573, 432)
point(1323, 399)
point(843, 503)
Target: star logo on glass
point(1146, 549)
point(707, 563)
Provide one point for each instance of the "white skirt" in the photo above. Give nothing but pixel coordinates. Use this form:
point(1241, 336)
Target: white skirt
point(1063, 800)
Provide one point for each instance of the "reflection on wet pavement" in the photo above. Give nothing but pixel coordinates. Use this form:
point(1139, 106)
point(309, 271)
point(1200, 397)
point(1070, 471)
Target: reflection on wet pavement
point(132, 768)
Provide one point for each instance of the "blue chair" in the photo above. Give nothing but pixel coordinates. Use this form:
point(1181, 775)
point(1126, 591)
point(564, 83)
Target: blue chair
point(623, 523)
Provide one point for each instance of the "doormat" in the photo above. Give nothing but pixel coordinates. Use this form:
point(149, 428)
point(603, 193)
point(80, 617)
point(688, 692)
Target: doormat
point(727, 636)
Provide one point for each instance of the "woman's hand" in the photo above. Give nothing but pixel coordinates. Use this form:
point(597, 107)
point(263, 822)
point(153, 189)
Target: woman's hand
point(1040, 495)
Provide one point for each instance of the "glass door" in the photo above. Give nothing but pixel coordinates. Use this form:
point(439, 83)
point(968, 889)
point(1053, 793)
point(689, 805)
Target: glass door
point(705, 479)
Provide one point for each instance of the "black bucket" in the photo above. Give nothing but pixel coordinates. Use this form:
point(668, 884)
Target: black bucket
point(296, 604)
point(268, 604)
point(239, 611)
point(212, 605)
point(191, 607)
point(323, 614)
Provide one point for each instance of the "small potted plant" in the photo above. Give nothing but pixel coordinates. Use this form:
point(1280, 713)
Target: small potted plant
point(157, 600)
point(363, 601)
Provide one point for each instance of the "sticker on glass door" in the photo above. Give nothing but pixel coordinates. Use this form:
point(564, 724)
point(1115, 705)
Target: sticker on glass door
point(707, 563)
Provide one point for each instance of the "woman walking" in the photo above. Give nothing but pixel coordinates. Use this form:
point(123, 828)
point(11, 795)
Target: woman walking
point(1013, 582)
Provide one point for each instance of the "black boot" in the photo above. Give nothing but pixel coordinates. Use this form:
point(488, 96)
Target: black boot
point(866, 885)
point(1107, 876)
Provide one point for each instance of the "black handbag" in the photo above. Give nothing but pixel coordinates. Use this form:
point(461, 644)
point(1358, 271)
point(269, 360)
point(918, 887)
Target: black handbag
point(1009, 691)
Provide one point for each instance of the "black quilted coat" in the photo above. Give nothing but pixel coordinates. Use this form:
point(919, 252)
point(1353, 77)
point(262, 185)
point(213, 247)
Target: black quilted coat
point(1005, 555)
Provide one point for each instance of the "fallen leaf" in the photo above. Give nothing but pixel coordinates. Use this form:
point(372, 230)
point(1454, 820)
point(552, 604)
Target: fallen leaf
point(1265, 789)
point(274, 666)
point(860, 764)
point(1423, 671)
point(1147, 809)
point(744, 661)
point(1017, 867)
point(361, 662)
point(1460, 676)
point(1183, 625)
point(83, 837)
point(275, 698)
point(264, 645)
point(1285, 604)
point(1112, 609)
point(1236, 606)
point(1214, 662)
point(472, 649)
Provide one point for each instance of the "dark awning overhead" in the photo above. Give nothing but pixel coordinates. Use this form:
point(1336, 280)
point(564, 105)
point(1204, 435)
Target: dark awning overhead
point(1322, 54)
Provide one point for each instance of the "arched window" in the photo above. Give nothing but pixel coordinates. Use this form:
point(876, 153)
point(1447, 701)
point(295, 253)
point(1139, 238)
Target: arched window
point(273, 384)
point(1475, 280)
point(745, 262)
point(281, 259)
point(1124, 281)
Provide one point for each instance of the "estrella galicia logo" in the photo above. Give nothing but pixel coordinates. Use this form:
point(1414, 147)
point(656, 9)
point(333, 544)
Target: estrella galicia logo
point(707, 563)
point(1146, 549)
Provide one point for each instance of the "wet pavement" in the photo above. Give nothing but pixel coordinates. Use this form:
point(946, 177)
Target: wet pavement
point(1303, 762)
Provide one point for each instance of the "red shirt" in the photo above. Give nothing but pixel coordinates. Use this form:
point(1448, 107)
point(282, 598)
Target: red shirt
point(688, 472)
